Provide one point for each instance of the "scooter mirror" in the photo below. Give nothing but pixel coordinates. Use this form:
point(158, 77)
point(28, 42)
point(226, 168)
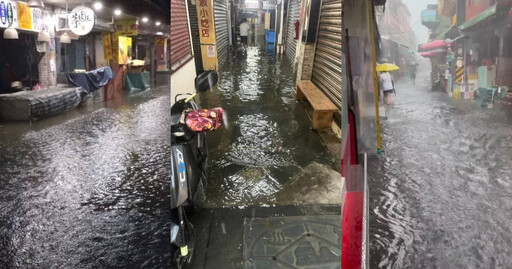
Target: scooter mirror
point(206, 81)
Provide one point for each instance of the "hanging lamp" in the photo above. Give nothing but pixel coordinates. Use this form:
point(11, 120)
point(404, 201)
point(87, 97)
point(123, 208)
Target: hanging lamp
point(36, 3)
point(11, 33)
point(65, 38)
point(43, 36)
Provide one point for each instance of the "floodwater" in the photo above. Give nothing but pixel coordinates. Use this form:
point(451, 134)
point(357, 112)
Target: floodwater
point(88, 189)
point(266, 141)
point(440, 194)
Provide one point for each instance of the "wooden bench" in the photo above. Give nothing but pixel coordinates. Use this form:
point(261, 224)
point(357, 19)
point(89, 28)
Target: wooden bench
point(323, 108)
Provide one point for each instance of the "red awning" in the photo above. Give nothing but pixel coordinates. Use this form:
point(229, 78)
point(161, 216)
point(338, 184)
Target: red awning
point(433, 53)
point(433, 45)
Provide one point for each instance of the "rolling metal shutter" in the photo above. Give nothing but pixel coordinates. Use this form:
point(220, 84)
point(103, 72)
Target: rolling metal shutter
point(180, 37)
point(221, 28)
point(293, 16)
point(196, 42)
point(327, 71)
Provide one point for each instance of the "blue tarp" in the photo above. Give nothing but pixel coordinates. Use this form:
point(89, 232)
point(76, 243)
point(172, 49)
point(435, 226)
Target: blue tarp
point(91, 81)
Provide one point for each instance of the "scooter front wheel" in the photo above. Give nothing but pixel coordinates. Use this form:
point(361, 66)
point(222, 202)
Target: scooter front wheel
point(179, 260)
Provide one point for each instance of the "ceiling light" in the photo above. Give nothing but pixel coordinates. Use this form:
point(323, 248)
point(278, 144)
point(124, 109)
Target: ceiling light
point(36, 3)
point(10, 33)
point(98, 5)
point(117, 12)
point(159, 33)
point(65, 38)
point(157, 23)
point(145, 19)
point(43, 36)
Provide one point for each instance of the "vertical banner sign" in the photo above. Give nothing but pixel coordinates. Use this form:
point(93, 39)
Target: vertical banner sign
point(161, 53)
point(3, 14)
point(207, 33)
point(24, 16)
point(115, 48)
point(8, 14)
point(107, 45)
point(37, 20)
point(125, 49)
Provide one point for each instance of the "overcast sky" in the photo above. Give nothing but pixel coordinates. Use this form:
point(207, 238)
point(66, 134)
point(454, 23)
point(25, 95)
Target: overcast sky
point(416, 6)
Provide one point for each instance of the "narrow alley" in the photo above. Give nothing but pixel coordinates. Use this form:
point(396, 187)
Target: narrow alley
point(440, 192)
point(88, 188)
point(267, 162)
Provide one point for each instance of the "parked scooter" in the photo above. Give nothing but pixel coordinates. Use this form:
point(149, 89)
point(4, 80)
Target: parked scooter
point(189, 157)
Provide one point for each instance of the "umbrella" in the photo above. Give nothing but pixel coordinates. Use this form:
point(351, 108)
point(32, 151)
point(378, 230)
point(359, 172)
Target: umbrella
point(250, 15)
point(387, 67)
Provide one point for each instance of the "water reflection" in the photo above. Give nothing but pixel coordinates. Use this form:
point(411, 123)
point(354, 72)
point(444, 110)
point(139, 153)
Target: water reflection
point(88, 189)
point(268, 141)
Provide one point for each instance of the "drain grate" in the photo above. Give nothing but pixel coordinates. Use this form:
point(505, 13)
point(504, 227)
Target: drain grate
point(292, 242)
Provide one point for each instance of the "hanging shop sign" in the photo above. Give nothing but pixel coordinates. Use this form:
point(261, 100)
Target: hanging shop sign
point(8, 14)
point(269, 4)
point(47, 19)
point(24, 16)
point(127, 28)
point(3, 14)
point(125, 49)
point(81, 20)
point(206, 21)
point(107, 45)
point(252, 4)
point(37, 19)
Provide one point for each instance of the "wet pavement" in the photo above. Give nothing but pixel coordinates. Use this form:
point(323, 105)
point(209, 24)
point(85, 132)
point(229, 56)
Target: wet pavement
point(267, 139)
point(263, 162)
point(440, 194)
point(88, 188)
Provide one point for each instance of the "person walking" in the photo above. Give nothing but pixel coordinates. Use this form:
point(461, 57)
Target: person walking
point(388, 86)
point(412, 72)
point(244, 32)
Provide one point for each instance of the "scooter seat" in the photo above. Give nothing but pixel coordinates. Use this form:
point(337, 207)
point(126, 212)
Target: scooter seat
point(204, 120)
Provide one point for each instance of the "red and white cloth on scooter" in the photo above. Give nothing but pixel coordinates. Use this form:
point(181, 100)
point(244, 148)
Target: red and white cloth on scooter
point(204, 119)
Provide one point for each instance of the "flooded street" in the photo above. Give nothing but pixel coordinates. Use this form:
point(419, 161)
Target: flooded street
point(266, 165)
point(88, 189)
point(266, 140)
point(440, 194)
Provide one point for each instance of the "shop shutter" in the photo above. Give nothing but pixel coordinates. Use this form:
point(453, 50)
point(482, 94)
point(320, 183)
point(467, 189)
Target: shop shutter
point(180, 36)
point(293, 16)
point(327, 71)
point(196, 42)
point(221, 28)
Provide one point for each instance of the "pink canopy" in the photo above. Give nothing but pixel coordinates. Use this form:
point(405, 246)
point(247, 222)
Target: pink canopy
point(433, 52)
point(433, 45)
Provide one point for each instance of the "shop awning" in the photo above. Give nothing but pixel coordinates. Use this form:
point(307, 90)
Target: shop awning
point(478, 18)
point(450, 33)
point(433, 53)
point(433, 45)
